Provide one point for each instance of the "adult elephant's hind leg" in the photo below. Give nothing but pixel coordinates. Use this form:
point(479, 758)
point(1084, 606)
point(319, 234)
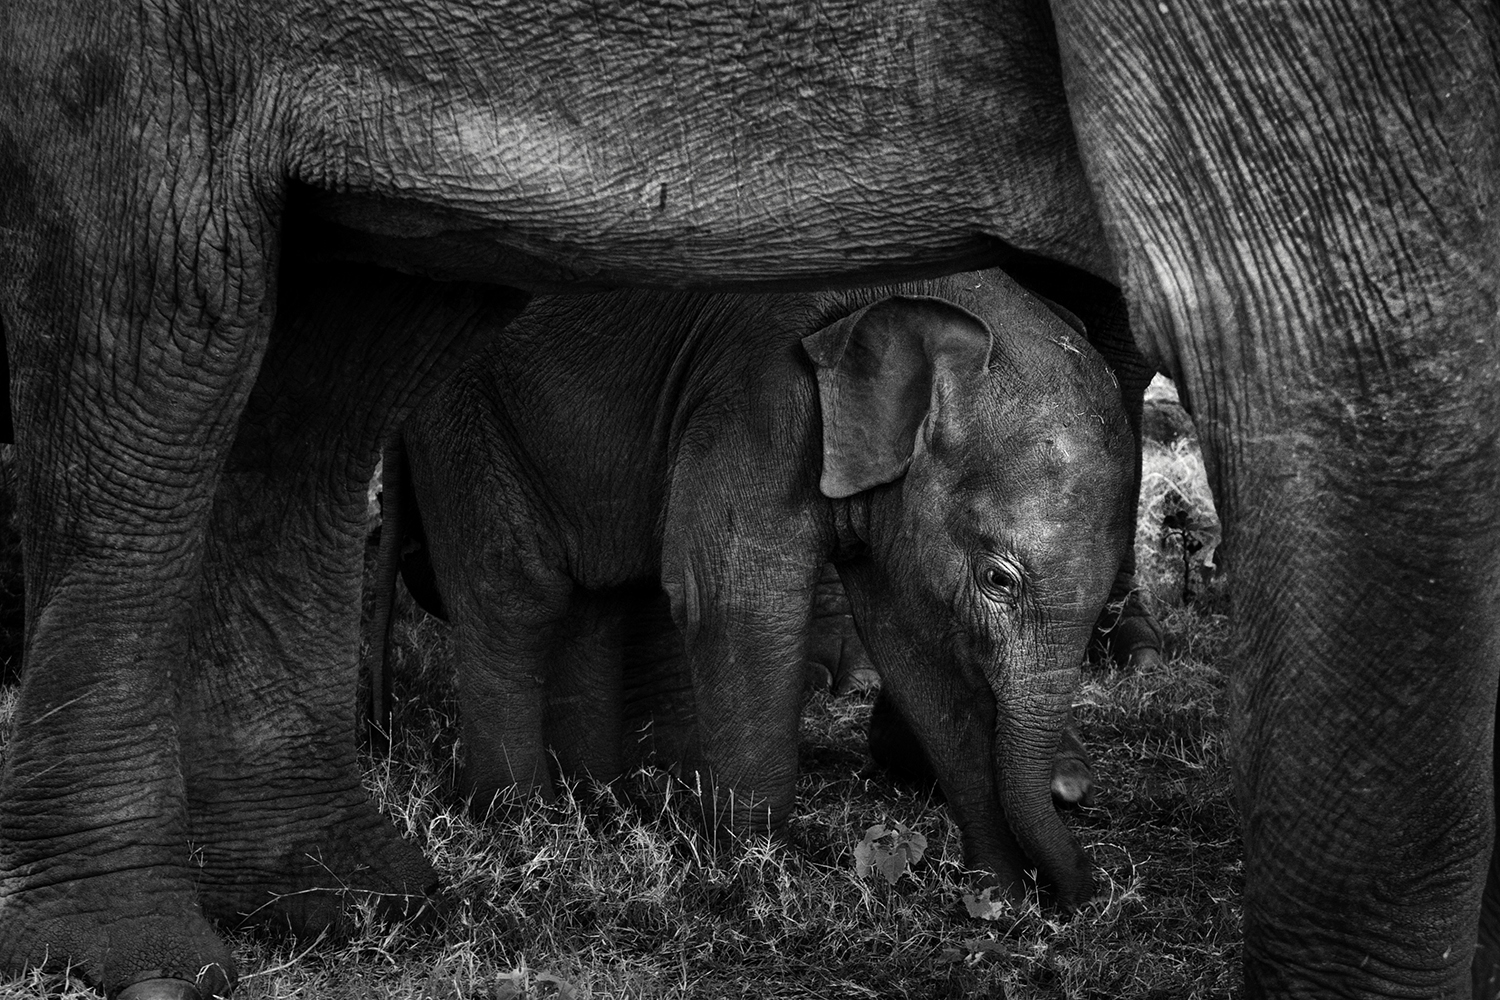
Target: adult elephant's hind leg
point(135, 336)
point(279, 822)
point(1486, 973)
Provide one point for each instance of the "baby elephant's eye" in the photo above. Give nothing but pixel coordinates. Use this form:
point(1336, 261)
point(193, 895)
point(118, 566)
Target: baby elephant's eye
point(999, 582)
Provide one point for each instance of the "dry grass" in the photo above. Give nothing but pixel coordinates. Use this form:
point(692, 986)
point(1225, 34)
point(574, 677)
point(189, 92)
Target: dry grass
point(615, 893)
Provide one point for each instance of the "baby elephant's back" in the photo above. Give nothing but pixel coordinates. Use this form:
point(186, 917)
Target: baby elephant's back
point(580, 405)
point(605, 380)
point(597, 390)
point(1043, 348)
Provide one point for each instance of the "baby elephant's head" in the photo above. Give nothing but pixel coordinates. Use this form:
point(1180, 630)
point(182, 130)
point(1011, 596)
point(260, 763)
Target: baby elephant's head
point(990, 457)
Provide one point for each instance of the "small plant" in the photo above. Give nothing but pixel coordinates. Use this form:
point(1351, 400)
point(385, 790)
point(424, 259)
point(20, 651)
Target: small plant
point(1177, 529)
point(888, 850)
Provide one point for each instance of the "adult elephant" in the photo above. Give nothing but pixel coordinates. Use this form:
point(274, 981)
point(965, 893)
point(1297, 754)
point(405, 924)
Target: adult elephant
point(1297, 200)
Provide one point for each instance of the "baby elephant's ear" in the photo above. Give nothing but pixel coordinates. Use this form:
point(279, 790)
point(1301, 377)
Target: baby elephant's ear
point(875, 374)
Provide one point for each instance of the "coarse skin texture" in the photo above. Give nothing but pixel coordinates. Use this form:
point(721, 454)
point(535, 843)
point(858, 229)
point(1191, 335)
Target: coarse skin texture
point(482, 141)
point(1296, 198)
point(1309, 239)
point(602, 446)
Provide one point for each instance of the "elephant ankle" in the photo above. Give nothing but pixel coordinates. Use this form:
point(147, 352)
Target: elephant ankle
point(729, 814)
point(303, 868)
point(1127, 632)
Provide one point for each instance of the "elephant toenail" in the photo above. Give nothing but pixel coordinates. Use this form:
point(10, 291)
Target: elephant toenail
point(160, 989)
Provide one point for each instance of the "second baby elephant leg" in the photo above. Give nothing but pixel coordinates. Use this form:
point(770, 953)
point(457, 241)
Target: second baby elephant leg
point(540, 682)
point(505, 652)
point(660, 713)
point(836, 659)
point(583, 717)
point(523, 632)
point(538, 657)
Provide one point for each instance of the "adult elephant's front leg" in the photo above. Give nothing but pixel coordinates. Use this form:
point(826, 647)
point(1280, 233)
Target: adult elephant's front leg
point(136, 318)
point(1311, 233)
point(278, 820)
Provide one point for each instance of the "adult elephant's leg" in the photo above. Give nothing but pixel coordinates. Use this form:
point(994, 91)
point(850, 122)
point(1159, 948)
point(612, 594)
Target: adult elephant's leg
point(1311, 237)
point(1486, 973)
point(136, 317)
point(276, 809)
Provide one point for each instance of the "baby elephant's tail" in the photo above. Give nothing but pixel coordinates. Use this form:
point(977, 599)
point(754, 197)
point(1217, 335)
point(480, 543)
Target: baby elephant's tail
point(403, 549)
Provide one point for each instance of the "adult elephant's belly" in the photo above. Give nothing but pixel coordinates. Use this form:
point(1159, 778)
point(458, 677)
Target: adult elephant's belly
point(446, 244)
point(738, 178)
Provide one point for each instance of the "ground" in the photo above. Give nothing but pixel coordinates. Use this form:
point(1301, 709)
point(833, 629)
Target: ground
point(619, 896)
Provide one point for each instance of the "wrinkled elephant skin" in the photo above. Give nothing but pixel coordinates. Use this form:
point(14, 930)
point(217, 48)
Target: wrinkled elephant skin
point(953, 445)
point(1297, 200)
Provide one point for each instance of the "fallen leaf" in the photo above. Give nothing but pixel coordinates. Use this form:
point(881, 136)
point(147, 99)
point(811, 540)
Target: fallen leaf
point(564, 989)
point(989, 904)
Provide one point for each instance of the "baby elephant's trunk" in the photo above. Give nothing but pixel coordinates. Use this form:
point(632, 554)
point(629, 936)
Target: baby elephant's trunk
point(1028, 731)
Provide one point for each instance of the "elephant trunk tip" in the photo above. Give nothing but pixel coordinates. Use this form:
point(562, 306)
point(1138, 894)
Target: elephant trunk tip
point(1030, 781)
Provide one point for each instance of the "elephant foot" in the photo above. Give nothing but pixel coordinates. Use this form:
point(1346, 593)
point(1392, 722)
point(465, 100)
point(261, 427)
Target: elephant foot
point(856, 680)
point(1072, 773)
point(836, 659)
point(491, 801)
point(1128, 633)
point(308, 869)
point(817, 678)
point(841, 679)
point(133, 934)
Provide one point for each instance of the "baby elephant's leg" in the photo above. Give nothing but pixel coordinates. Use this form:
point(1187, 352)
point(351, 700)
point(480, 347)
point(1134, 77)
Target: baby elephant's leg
point(504, 588)
point(661, 715)
point(584, 706)
point(509, 636)
point(741, 592)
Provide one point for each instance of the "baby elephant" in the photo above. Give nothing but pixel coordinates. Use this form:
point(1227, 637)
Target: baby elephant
point(953, 446)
